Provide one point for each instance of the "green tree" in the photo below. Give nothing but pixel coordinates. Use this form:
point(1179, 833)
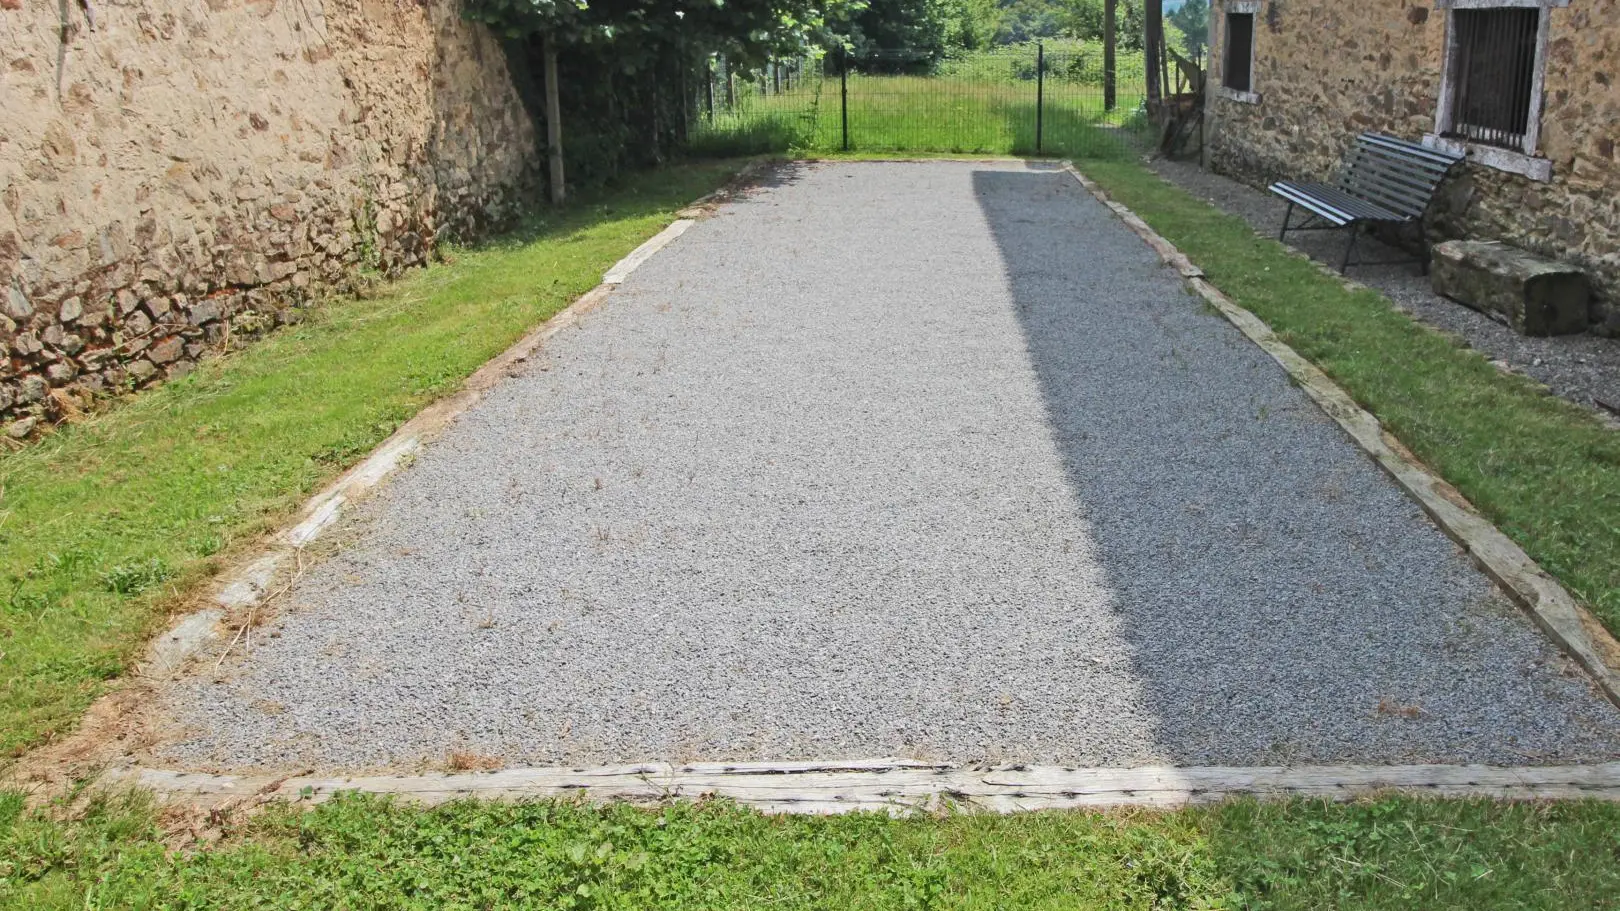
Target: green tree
point(1084, 19)
point(970, 24)
point(1192, 20)
point(912, 35)
point(893, 35)
point(1030, 20)
point(629, 70)
point(745, 30)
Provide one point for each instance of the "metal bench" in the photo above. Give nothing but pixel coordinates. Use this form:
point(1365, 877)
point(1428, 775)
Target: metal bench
point(1385, 181)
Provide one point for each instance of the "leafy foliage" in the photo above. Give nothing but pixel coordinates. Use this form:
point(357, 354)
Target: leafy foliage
point(1085, 19)
point(969, 24)
point(929, 30)
point(1192, 19)
point(625, 104)
point(915, 27)
point(634, 71)
point(1018, 21)
point(629, 69)
point(741, 29)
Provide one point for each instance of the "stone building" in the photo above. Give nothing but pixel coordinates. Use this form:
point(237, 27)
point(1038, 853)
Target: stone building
point(1530, 89)
point(176, 171)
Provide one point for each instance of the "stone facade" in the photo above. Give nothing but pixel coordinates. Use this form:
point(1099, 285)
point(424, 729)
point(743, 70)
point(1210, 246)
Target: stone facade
point(176, 171)
point(1325, 70)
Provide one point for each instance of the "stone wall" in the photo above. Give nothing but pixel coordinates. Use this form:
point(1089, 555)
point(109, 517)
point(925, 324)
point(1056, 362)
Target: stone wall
point(176, 171)
point(1326, 70)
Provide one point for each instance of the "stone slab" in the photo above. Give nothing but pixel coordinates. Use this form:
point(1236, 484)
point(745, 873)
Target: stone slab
point(1534, 295)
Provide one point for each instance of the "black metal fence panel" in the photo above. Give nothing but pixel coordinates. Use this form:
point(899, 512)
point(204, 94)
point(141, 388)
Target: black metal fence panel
point(1024, 100)
point(1495, 61)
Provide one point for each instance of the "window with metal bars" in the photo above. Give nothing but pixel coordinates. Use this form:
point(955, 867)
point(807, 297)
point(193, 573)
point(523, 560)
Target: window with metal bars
point(1238, 66)
point(1493, 75)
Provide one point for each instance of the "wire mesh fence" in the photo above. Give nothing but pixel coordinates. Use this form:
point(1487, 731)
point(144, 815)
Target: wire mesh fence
point(1026, 100)
point(774, 109)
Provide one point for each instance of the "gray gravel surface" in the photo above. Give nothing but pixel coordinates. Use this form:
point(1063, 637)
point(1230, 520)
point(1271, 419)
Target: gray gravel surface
point(933, 460)
point(1584, 369)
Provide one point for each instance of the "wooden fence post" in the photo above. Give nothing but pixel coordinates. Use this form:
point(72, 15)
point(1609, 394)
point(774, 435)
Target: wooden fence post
point(1040, 97)
point(1208, 114)
point(843, 93)
point(559, 187)
point(1110, 50)
point(1153, 50)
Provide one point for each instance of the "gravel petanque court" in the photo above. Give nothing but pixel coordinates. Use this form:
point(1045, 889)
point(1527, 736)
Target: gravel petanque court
point(895, 459)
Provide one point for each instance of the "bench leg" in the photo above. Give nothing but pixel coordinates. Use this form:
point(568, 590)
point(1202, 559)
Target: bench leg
point(1423, 246)
point(1350, 249)
point(1283, 234)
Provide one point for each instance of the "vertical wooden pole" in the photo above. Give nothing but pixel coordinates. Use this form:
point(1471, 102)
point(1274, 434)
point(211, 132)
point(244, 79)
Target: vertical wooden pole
point(559, 186)
point(1208, 115)
point(685, 63)
point(1110, 50)
point(1153, 49)
point(843, 93)
point(708, 88)
point(1040, 97)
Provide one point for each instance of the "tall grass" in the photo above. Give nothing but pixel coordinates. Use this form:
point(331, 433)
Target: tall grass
point(987, 103)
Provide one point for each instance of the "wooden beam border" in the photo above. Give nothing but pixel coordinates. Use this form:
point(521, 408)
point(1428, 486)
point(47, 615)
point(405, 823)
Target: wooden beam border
point(895, 786)
point(1568, 622)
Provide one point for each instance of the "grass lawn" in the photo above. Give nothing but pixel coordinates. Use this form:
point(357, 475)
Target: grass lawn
point(358, 852)
point(912, 114)
point(1543, 470)
point(107, 524)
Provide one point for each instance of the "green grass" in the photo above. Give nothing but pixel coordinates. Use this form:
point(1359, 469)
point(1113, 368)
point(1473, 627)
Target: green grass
point(1543, 470)
point(106, 524)
point(359, 852)
point(940, 114)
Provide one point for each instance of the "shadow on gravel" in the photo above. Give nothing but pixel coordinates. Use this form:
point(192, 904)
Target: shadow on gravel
point(1284, 602)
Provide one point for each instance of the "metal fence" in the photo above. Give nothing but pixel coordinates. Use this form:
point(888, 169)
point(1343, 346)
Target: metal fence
point(1027, 100)
point(1496, 65)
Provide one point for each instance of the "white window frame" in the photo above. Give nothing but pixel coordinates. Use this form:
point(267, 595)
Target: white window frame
point(1524, 160)
point(1251, 7)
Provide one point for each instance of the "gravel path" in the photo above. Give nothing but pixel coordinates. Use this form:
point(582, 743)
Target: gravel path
point(1584, 369)
point(931, 460)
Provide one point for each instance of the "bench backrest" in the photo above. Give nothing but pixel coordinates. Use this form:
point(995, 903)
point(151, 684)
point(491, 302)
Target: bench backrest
point(1400, 176)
